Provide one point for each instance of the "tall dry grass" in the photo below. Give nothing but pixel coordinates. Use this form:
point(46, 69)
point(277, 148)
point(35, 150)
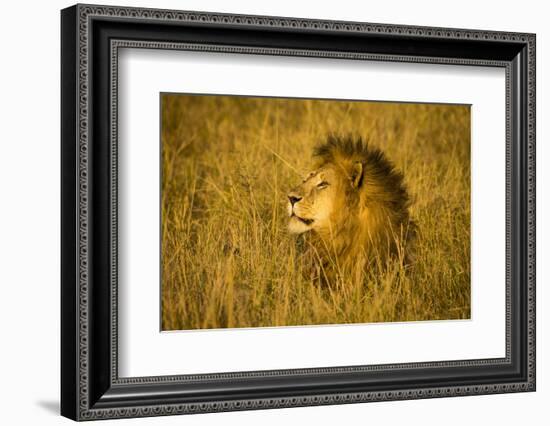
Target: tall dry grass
point(227, 165)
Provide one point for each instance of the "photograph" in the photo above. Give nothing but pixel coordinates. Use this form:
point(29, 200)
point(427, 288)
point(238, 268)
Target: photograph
point(280, 212)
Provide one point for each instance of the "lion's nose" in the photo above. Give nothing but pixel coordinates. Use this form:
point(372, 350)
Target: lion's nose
point(293, 198)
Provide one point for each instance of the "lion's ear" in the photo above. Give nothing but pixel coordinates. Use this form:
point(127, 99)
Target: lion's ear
point(357, 174)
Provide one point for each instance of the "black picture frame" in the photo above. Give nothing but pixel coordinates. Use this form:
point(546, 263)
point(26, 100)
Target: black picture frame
point(90, 386)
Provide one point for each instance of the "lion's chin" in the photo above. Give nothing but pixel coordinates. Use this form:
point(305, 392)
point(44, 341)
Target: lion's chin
point(298, 226)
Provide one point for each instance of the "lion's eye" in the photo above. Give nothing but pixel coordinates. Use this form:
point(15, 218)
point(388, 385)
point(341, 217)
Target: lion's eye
point(322, 185)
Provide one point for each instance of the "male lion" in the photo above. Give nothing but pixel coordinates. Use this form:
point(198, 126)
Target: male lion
point(352, 209)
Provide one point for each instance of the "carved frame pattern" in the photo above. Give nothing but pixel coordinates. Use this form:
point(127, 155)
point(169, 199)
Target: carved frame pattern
point(85, 14)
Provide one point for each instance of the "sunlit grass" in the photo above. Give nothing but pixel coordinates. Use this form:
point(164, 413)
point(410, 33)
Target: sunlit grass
point(227, 165)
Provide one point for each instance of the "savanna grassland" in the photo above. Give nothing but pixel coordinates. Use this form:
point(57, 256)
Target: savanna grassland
point(227, 257)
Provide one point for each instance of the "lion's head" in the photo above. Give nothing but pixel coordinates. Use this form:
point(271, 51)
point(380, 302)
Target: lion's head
point(353, 206)
point(314, 204)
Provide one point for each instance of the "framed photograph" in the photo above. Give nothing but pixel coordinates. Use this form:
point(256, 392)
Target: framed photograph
point(263, 212)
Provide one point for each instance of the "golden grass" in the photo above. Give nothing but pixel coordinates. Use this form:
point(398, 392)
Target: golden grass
point(227, 165)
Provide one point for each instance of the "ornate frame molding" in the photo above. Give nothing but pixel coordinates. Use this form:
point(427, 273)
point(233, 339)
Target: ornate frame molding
point(80, 19)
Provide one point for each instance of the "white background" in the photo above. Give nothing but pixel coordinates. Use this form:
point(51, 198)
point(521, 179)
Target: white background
point(29, 213)
point(146, 352)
